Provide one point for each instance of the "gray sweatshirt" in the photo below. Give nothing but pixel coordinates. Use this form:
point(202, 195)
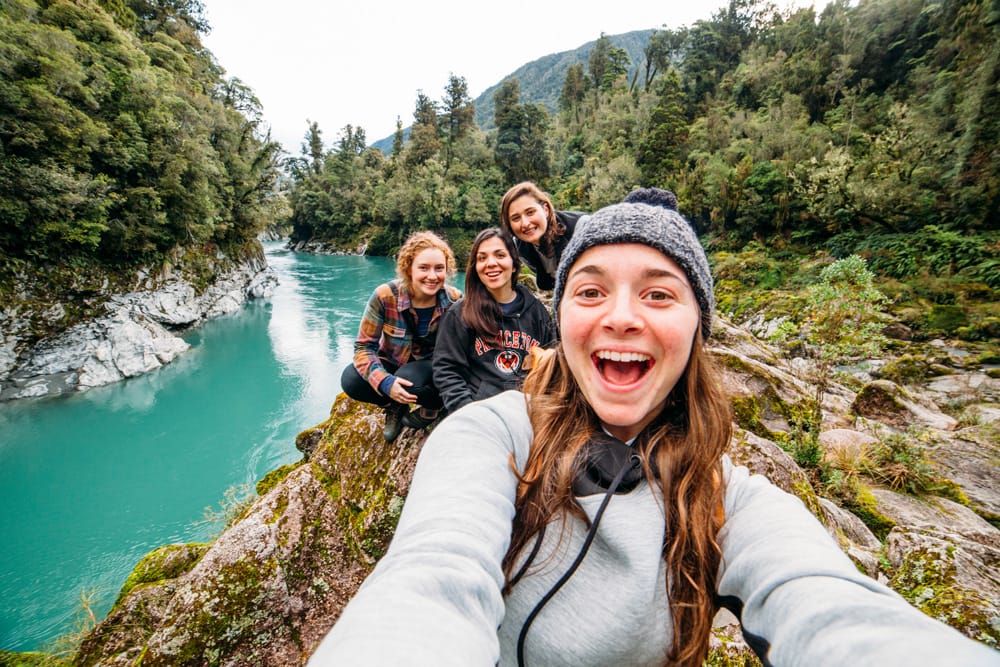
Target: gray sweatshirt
point(435, 597)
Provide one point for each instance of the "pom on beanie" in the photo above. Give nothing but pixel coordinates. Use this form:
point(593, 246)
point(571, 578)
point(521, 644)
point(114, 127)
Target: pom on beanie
point(653, 196)
point(647, 216)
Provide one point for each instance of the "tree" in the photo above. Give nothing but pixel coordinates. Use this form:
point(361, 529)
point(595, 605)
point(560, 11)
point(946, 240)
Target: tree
point(574, 90)
point(425, 141)
point(661, 50)
point(842, 318)
point(458, 115)
point(660, 146)
point(520, 151)
point(397, 138)
point(607, 62)
point(312, 147)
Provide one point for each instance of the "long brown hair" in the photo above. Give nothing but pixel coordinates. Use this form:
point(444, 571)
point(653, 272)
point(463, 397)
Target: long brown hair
point(553, 229)
point(480, 311)
point(684, 445)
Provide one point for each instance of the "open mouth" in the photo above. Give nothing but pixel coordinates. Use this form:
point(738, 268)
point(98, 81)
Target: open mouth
point(622, 368)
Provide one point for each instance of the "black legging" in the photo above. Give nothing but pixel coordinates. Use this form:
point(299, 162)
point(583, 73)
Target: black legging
point(417, 372)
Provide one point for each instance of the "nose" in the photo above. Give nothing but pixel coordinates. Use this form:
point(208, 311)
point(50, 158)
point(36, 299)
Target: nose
point(622, 316)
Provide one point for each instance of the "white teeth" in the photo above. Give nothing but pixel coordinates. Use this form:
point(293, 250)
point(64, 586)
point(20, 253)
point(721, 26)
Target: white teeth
point(622, 356)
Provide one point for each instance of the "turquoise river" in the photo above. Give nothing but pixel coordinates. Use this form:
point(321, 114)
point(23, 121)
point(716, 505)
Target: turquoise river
point(91, 482)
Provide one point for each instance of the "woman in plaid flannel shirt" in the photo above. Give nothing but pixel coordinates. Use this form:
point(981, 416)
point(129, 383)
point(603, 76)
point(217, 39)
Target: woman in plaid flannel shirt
point(392, 354)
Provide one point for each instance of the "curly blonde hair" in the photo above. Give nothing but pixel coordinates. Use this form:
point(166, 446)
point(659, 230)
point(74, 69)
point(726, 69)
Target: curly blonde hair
point(414, 244)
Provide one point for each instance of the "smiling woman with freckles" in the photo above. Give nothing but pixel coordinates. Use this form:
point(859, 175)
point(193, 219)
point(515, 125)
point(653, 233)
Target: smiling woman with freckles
point(594, 519)
point(392, 364)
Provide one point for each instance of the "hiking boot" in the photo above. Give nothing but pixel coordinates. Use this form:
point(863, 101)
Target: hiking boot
point(420, 418)
point(393, 421)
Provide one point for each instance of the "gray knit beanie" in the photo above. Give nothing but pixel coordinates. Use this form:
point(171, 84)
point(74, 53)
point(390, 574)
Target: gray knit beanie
point(648, 216)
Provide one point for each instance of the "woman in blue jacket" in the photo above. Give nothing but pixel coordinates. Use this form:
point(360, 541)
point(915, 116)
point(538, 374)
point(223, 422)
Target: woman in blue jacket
point(486, 338)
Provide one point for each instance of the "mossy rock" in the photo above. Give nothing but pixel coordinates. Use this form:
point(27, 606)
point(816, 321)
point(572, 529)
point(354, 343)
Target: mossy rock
point(864, 505)
point(32, 659)
point(367, 477)
point(989, 358)
point(927, 579)
point(166, 562)
point(726, 648)
point(763, 405)
point(880, 400)
point(946, 318)
point(906, 369)
point(273, 478)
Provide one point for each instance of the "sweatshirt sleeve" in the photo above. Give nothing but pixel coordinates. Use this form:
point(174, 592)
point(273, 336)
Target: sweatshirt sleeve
point(434, 598)
point(802, 602)
point(451, 363)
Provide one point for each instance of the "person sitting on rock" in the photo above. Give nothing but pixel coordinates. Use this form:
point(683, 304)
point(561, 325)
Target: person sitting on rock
point(392, 365)
point(595, 518)
point(485, 340)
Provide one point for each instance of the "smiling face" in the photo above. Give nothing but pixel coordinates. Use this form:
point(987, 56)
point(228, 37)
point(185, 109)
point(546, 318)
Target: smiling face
point(528, 218)
point(628, 319)
point(495, 268)
point(427, 275)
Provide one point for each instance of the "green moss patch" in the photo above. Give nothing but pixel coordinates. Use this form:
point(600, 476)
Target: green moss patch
point(233, 611)
point(32, 659)
point(275, 477)
point(167, 562)
point(926, 578)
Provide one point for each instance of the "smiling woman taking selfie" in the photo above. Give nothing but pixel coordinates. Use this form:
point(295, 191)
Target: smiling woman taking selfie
point(594, 519)
point(487, 337)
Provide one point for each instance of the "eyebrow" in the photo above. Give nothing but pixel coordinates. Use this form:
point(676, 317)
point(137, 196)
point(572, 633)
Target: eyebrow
point(594, 269)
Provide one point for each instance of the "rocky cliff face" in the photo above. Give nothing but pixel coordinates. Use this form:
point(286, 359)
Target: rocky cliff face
point(267, 590)
point(134, 332)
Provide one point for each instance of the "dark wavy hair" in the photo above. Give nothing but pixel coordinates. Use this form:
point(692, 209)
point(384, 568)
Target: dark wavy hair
point(480, 311)
point(553, 230)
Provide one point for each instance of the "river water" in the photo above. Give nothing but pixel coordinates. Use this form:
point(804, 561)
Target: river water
point(91, 482)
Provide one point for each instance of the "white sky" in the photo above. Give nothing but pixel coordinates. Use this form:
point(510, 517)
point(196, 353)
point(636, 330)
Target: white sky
point(362, 63)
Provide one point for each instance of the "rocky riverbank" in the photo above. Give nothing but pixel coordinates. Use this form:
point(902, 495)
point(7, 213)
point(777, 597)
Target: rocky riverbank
point(129, 331)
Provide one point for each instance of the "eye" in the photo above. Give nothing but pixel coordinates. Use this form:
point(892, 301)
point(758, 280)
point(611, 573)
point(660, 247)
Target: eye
point(588, 293)
point(658, 295)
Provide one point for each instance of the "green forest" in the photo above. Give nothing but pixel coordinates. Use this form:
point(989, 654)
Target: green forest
point(121, 138)
point(791, 138)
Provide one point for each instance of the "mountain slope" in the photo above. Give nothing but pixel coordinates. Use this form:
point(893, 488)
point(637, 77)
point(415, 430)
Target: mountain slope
point(541, 80)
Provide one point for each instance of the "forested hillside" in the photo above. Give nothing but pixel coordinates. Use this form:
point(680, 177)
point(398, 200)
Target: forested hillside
point(121, 138)
point(788, 137)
